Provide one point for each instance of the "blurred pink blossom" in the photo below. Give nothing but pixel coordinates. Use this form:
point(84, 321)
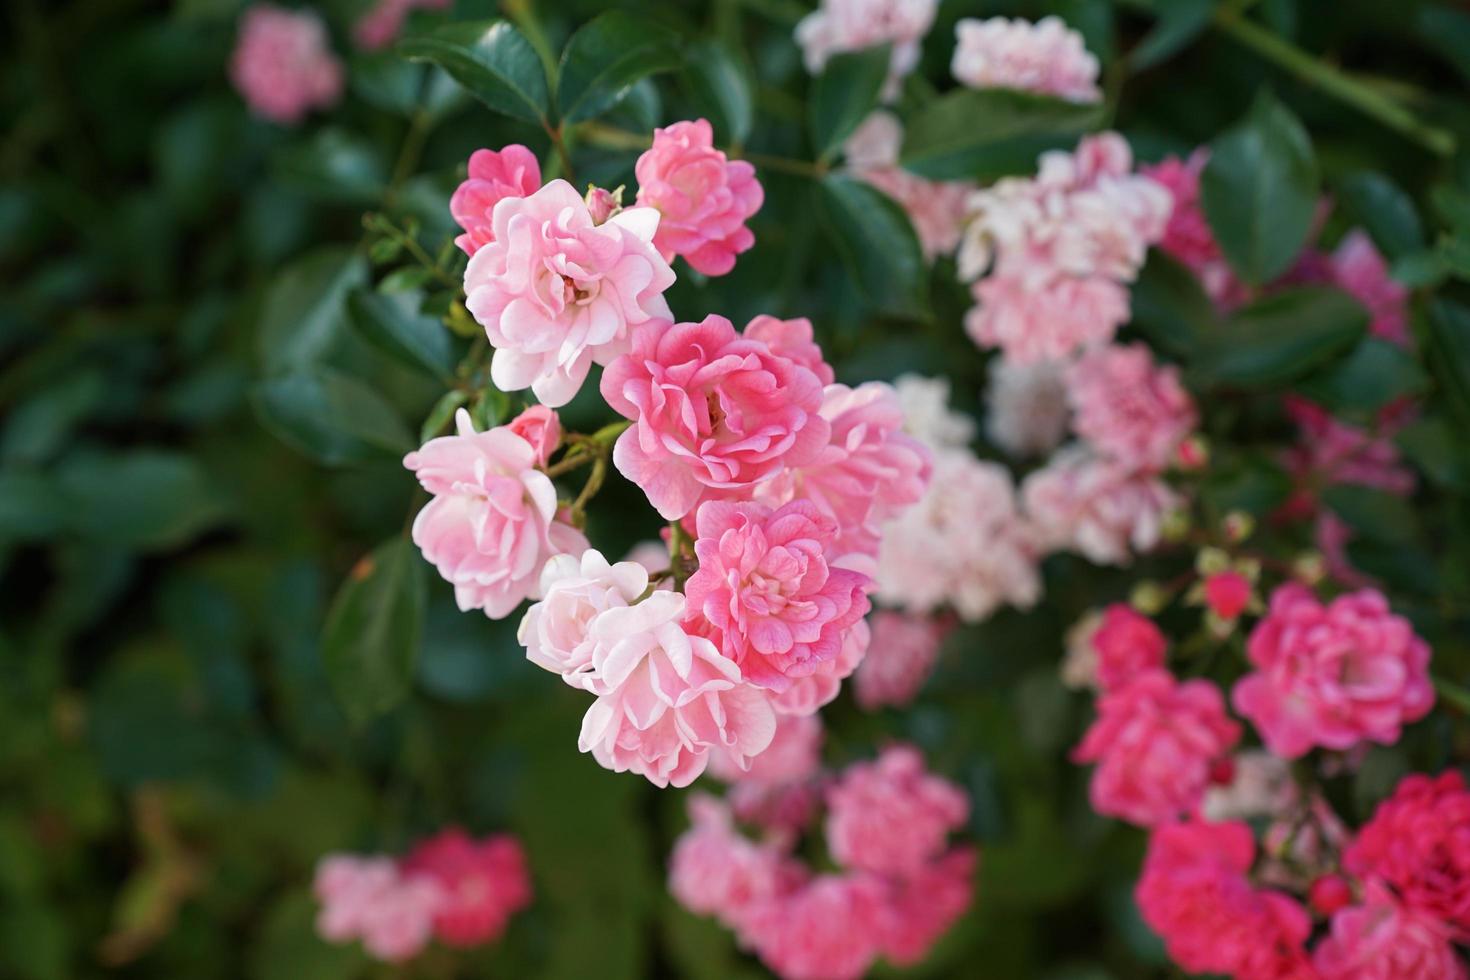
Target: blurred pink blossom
point(900, 659)
point(482, 883)
point(1045, 57)
point(891, 816)
point(283, 64)
point(1130, 407)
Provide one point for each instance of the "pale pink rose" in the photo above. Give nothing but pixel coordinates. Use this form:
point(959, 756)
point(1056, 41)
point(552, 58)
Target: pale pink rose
point(1194, 893)
point(1362, 272)
point(482, 884)
point(556, 292)
point(923, 905)
point(400, 923)
point(514, 171)
point(492, 523)
point(765, 584)
point(868, 474)
point(1130, 407)
point(1046, 57)
point(704, 197)
point(713, 413)
point(1127, 643)
point(816, 690)
point(540, 427)
point(964, 545)
point(1260, 785)
point(346, 885)
point(1332, 676)
point(652, 555)
point(1033, 319)
point(927, 415)
point(794, 755)
point(665, 699)
point(1026, 406)
point(716, 871)
point(875, 144)
point(891, 816)
point(1382, 940)
point(900, 659)
point(382, 24)
point(1156, 742)
point(371, 900)
point(283, 64)
point(828, 928)
point(557, 631)
point(837, 26)
point(792, 339)
point(1103, 511)
point(603, 203)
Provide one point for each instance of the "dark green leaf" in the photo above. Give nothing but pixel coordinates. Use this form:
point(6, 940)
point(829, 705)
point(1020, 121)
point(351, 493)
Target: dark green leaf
point(1179, 23)
point(721, 85)
point(986, 133)
point(844, 94)
point(1260, 190)
point(1454, 256)
point(1453, 205)
point(145, 498)
point(30, 507)
point(334, 165)
point(1448, 31)
point(306, 307)
point(386, 81)
point(394, 325)
point(443, 410)
point(606, 57)
point(1438, 449)
point(1376, 514)
point(331, 417)
point(371, 641)
point(1170, 307)
point(1255, 484)
point(1281, 337)
point(1419, 270)
point(1386, 211)
point(492, 60)
point(1374, 374)
point(1449, 354)
point(41, 426)
point(874, 238)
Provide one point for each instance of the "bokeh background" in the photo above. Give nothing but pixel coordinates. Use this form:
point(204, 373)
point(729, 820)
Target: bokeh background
point(173, 760)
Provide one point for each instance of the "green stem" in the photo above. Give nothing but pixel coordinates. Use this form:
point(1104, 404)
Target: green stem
point(680, 545)
point(382, 224)
point(589, 489)
point(1334, 82)
point(408, 155)
point(1453, 693)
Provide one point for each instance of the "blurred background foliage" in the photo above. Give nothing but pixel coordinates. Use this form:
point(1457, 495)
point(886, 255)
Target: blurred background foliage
point(201, 423)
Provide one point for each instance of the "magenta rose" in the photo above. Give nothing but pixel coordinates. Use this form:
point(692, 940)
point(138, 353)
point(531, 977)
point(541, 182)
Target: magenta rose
point(713, 413)
point(513, 172)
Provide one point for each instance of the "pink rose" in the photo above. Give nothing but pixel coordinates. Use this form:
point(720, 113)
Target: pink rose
point(557, 631)
point(1419, 842)
point(1227, 594)
point(1333, 675)
point(1127, 643)
point(556, 291)
point(1046, 320)
point(283, 64)
point(482, 884)
point(921, 906)
point(382, 24)
point(1188, 237)
point(1096, 507)
point(540, 427)
point(828, 928)
point(1156, 742)
point(792, 339)
point(1363, 274)
point(900, 659)
point(704, 198)
point(512, 172)
point(713, 413)
point(665, 699)
point(492, 523)
point(794, 755)
point(851, 25)
point(1046, 57)
point(371, 900)
point(1129, 407)
point(808, 694)
point(890, 816)
point(716, 871)
point(765, 584)
point(1383, 940)
point(1026, 406)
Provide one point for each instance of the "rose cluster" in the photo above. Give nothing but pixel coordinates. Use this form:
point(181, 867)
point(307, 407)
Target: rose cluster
point(450, 887)
point(899, 884)
point(777, 482)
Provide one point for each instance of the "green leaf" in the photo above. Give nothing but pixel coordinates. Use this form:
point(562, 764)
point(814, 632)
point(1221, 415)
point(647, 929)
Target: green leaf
point(1419, 270)
point(449, 403)
point(306, 307)
point(1433, 445)
point(1447, 31)
point(492, 60)
point(30, 507)
point(606, 57)
point(1373, 375)
point(1376, 514)
point(1386, 211)
point(1260, 190)
point(874, 238)
point(1170, 307)
point(1453, 205)
point(145, 498)
point(39, 427)
point(386, 81)
point(1179, 23)
point(334, 165)
point(987, 133)
point(371, 641)
point(394, 325)
point(721, 85)
point(844, 94)
point(1449, 354)
point(331, 417)
point(1281, 338)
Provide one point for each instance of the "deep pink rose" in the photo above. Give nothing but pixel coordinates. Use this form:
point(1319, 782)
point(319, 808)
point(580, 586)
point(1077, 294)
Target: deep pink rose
point(1129, 407)
point(716, 871)
point(828, 928)
point(891, 816)
point(1127, 643)
point(283, 64)
point(765, 584)
point(1383, 940)
point(512, 172)
point(705, 198)
point(794, 339)
point(1419, 842)
point(1227, 594)
point(1359, 269)
point(921, 906)
point(713, 413)
point(1332, 676)
point(808, 694)
point(540, 427)
point(483, 883)
point(900, 659)
point(556, 291)
point(493, 523)
point(1155, 742)
point(382, 24)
